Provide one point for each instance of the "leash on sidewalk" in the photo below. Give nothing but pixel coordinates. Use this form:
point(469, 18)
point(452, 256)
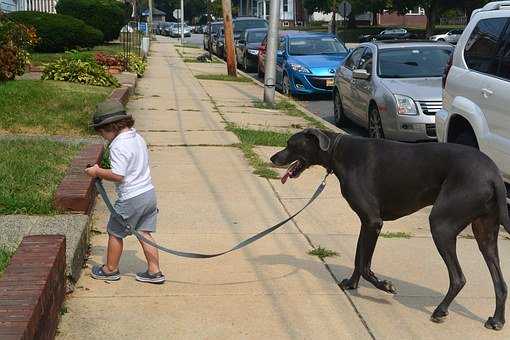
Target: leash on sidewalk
point(100, 188)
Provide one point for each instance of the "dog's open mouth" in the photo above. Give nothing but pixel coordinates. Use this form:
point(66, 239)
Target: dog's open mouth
point(294, 170)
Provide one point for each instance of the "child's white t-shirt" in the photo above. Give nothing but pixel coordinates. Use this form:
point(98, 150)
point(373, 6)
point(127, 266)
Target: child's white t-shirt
point(129, 158)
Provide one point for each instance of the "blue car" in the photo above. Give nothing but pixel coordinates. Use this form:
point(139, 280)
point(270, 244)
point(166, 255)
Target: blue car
point(306, 63)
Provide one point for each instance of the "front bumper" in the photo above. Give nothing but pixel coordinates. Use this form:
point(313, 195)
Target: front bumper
point(414, 128)
point(302, 83)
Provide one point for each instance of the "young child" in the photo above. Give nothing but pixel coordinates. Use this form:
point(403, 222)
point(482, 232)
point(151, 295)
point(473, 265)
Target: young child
point(136, 200)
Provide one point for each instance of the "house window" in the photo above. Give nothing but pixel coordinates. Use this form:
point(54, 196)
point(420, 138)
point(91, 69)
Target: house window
point(285, 5)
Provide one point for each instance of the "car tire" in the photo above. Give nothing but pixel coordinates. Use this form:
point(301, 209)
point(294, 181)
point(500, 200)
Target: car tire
point(375, 129)
point(338, 109)
point(467, 138)
point(286, 86)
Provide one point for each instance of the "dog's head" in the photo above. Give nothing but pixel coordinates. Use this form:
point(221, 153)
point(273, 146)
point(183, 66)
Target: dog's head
point(303, 150)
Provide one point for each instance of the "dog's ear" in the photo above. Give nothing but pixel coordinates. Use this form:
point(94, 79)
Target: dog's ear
point(324, 140)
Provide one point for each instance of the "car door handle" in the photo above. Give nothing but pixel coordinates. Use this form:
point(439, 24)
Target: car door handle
point(486, 93)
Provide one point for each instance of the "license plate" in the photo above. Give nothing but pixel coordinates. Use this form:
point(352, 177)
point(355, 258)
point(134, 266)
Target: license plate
point(330, 82)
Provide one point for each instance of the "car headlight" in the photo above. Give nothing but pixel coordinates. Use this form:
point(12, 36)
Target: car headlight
point(299, 68)
point(254, 52)
point(405, 105)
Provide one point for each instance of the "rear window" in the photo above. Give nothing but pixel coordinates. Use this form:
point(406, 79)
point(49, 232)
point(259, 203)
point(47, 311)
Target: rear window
point(413, 62)
point(243, 25)
point(256, 37)
point(504, 53)
point(483, 44)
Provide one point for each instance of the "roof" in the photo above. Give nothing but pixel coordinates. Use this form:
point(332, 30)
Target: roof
point(155, 11)
point(407, 43)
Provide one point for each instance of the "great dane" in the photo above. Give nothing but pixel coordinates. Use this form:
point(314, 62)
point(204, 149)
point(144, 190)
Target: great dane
point(385, 180)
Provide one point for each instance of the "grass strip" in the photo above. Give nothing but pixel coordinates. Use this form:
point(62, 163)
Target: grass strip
point(30, 172)
point(260, 137)
point(397, 234)
point(290, 109)
point(5, 257)
point(262, 169)
point(195, 60)
point(48, 107)
point(223, 77)
point(322, 252)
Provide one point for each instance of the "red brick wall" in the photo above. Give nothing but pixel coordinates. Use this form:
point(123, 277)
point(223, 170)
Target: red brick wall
point(32, 289)
point(394, 19)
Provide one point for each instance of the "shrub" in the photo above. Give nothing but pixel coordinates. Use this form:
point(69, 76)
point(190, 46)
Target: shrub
point(105, 15)
point(58, 32)
point(135, 64)
point(107, 60)
point(15, 38)
point(78, 71)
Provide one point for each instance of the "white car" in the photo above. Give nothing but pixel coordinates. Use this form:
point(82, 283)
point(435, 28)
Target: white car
point(452, 36)
point(476, 97)
point(176, 31)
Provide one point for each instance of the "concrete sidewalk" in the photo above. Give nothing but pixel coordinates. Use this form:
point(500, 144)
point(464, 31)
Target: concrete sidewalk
point(210, 199)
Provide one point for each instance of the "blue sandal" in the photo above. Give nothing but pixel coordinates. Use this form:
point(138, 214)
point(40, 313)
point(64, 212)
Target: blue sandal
point(99, 274)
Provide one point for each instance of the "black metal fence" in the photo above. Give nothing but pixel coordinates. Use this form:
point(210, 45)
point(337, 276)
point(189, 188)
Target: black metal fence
point(131, 39)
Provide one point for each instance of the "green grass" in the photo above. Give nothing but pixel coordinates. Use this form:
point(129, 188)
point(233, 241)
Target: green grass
point(223, 77)
point(262, 169)
point(45, 58)
point(397, 234)
point(322, 253)
point(30, 171)
point(48, 107)
point(5, 257)
point(290, 109)
point(262, 137)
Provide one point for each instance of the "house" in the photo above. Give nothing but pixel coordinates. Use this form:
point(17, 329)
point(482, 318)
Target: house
point(157, 15)
point(47, 6)
point(291, 11)
point(413, 18)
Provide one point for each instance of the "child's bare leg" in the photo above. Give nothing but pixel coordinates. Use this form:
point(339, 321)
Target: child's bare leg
point(151, 253)
point(115, 246)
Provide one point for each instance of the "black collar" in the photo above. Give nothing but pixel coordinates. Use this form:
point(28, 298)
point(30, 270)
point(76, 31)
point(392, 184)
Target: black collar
point(332, 150)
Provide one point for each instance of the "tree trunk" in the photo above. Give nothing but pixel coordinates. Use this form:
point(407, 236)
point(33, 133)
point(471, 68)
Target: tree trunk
point(431, 12)
point(352, 21)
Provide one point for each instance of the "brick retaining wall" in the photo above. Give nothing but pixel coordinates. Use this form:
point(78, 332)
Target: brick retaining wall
point(32, 289)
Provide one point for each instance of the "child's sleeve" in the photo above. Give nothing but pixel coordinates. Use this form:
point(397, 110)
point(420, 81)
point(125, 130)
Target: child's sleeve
point(119, 161)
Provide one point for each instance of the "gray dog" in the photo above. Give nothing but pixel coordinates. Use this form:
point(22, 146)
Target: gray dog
point(384, 180)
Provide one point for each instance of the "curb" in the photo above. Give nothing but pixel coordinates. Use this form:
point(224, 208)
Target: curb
point(32, 289)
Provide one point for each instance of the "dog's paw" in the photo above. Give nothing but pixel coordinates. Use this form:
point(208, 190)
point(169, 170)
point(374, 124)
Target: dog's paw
point(387, 286)
point(439, 316)
point(493, 323)
point(348, 284)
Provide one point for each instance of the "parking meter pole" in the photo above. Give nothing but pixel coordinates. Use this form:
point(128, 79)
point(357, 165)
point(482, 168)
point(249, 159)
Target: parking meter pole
point(272, 45)
point(182, 22)
point(229, 38)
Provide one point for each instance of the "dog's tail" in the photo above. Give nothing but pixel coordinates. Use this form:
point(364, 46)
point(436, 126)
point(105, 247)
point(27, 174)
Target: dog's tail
point(504, 218)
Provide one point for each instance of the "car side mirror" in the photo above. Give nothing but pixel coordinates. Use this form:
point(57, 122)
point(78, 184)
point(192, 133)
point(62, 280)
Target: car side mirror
point(360, 74)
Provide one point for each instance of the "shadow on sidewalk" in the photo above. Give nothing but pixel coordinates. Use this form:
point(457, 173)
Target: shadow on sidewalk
point(130, 263)
point(342, 272)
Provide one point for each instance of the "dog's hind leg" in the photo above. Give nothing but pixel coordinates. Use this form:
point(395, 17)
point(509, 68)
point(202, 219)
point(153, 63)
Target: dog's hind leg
point(486, 231)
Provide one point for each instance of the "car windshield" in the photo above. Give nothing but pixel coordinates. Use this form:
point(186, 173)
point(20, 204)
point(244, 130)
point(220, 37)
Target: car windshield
point(413, 62)
point(315, 45)
point(215, 28)
point(256, 37)
point(243, 25)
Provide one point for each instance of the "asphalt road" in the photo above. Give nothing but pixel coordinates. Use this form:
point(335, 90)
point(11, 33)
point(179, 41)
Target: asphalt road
point(322, 105)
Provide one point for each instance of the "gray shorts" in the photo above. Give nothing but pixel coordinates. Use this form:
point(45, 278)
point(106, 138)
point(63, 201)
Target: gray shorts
point(140, 211)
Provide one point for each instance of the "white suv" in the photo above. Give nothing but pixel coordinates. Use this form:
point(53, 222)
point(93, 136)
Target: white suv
point(476, 97)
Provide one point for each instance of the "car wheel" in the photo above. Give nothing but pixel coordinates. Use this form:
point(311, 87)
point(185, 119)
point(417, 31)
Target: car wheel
point(467, 138)
point(375, 129)
point(338, 108)
point(286, 85)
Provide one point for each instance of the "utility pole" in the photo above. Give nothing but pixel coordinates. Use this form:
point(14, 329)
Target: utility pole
point(182, 22)
point(272, 45)
point(149, 24)
point(209, 28)
point(229, 38)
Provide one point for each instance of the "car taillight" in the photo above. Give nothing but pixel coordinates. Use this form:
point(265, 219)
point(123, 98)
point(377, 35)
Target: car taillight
point(447, 70)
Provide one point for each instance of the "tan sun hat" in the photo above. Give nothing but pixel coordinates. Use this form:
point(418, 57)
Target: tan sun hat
point(109, 111)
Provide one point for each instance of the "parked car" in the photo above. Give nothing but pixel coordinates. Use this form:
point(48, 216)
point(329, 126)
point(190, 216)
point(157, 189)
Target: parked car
point(164, 28)
point(167, 29)
point(218, 42)
point(247, 47)
point(451, 36)
point(210, 31)
point(177, 28)
point(241, 24)
point(387, 34)
point(306, 62)
point(262, 53)
point(477, 87)
point(392, 88)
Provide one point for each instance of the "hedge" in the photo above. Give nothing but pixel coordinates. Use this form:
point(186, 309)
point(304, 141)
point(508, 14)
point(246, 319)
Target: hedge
point(108, 16)
point(58, 32)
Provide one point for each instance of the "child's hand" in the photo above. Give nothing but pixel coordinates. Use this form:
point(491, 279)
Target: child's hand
point(92, 171)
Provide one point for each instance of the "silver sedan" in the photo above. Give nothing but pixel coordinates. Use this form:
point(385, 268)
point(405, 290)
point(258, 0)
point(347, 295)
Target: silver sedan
point(392, 88)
